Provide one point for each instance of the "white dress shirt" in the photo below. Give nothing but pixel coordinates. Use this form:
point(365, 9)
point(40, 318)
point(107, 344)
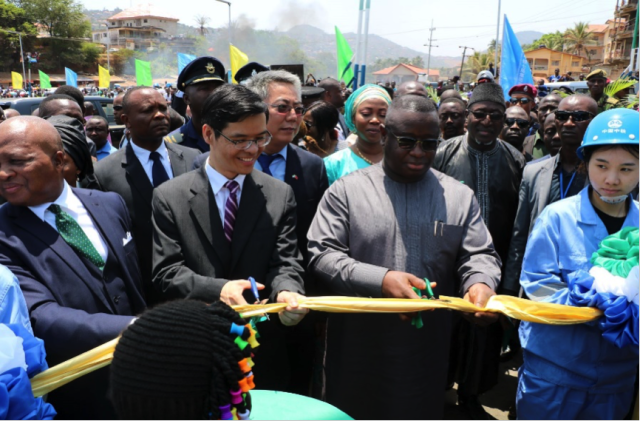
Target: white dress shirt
point(143, 156)
point(74, 207)
point(221, 193)
point(278, 166)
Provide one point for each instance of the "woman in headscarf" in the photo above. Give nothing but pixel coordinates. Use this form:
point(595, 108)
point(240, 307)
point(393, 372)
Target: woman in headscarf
point(78, 165)
point(365, 112)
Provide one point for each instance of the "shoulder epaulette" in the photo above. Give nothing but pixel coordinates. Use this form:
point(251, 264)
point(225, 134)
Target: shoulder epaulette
point(174, 138)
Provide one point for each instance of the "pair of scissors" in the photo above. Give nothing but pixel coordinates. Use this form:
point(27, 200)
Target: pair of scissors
point(255, 292)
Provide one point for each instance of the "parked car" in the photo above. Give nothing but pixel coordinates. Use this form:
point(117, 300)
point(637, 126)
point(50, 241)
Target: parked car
point(25, 106)
point(579, 87)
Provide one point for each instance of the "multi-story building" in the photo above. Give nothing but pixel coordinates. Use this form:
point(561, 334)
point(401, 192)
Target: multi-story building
point(619, 42)
point(544, 61)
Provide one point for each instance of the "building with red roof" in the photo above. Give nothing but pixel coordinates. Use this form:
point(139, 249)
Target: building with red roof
point(404, 73)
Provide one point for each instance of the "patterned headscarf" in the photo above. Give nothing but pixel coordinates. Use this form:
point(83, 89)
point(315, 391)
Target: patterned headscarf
point(361, 94)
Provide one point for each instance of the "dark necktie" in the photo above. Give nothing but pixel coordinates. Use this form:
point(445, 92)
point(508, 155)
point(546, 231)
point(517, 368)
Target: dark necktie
point(72, 233)
point(158, 172)
point(230, 208)
point(266, 160)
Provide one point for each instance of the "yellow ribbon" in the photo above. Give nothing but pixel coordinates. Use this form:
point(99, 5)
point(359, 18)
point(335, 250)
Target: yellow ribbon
point(517, 308)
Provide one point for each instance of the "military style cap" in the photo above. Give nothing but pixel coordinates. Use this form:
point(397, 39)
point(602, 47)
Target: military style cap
point(248, 70)
point(525, 88)
point(309, 92)
point(202, 69)
point(597, 73)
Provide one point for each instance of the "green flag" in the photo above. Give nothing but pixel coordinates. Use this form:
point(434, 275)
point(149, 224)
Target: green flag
point(345, 59)
point(143, 73)
point(45, 83)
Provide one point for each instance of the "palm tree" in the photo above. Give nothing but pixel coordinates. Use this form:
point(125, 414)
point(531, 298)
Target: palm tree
point(579, 38)
point(477, 63)
point(202, 22)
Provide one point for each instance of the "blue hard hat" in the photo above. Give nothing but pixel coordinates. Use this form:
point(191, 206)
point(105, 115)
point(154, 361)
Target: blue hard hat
point(619, 126)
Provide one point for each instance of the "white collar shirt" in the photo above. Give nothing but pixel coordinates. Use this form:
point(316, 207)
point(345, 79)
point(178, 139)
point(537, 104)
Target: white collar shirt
point(143, 156)
point(221, 193)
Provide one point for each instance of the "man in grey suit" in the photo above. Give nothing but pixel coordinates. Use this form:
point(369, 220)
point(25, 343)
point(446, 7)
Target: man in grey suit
point(145, 163)
point(223, 223)
point(548, 180)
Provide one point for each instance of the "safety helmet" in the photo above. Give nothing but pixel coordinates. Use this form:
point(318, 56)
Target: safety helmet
point(485, 74)
point(619, 126)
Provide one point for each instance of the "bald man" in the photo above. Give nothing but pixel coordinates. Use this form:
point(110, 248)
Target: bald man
point(61, 104)
point(10, 113)
point(73, 254)
point(411, 88)
point(450, 93)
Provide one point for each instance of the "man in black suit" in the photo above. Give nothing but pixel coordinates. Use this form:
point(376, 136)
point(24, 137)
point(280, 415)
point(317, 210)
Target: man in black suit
point(146, 162)
point(223, 223)
point(74, 256)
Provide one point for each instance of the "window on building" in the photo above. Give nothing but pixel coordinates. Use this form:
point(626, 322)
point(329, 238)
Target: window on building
point(575, 64)
point(113, 24)
point(145, 21)
point(555, 63)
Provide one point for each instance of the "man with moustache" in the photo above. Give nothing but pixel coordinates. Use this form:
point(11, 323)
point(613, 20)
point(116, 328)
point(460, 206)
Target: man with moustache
point(549, 179)
point(452, 117)
point(223, 223)
point(378, 232)
point(145, 163)
point(516, 127)
point(197, 80)
point(492, 169)
point(534, 145)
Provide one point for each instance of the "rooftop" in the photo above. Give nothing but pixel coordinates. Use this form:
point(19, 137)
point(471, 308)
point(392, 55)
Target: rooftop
point(414, 69)
point(143, 11)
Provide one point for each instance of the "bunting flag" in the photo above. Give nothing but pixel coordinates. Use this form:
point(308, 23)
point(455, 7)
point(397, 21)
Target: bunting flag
point(45, 82)
point(71, 76)
point(143, 73)
point(183, 60)
point(16, 80)
point(515, 67)
point(238, 59)
point(104, 78)
point(345, 59)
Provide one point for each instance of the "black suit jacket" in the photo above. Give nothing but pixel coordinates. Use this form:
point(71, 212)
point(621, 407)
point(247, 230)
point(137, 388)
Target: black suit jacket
point(307, 176)
point(71, 307)
point(123, 173)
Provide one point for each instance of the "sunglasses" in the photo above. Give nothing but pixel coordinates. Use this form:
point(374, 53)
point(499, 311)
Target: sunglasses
point(447, 116)
point(408, 143)
point(286, 109)
point(523, 101)
point(577, 116)
point(523, 124)
point(117, 107)
point(481, 115)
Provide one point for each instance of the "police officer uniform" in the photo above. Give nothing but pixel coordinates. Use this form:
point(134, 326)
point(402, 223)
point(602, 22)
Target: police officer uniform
point(202, 69)
point(605, 102)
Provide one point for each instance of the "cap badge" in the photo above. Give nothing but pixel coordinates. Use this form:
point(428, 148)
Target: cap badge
point(210, 68)
point(526, 88)
point(615, 124)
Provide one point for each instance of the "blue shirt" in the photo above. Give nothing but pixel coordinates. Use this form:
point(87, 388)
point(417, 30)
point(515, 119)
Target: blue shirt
point(105, 151)
point(562, 241)
point(13, 308)
point(278, 166)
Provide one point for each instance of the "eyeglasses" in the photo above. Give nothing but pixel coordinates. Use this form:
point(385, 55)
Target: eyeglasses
point(117, 107)
point(308, 124)
point(522, 123)
point(243, 145)
point(286, 109)
point(577, 116)
point(408, 143)
point(452, 116)
point(481, 115)
point(523, 101)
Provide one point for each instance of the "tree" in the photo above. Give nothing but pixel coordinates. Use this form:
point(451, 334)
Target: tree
point(417, 61)
point(579, 38)
point(62, 18)
point(13, 18)
point(202, 22)
point(553, 41)
point(476, 63)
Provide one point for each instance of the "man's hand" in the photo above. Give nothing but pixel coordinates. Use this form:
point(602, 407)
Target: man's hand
point(399, 285)
point(292, 315)
point(232, 292)
point(478, 295)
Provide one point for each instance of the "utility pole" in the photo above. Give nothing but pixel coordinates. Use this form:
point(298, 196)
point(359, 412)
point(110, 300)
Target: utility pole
point(430, 45)
point(463, 54)
point(108, 48)
point(497, 43)
point(228, 3)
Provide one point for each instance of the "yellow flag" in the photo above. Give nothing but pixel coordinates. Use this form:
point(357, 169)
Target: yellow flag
point(104, 78)
point(238, 59)
point(16, 80)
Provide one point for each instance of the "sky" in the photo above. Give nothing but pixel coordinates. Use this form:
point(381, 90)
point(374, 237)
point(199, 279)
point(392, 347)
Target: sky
point(458, 23)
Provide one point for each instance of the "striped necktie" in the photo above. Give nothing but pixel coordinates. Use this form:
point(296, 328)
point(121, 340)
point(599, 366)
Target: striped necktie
point(230, 208)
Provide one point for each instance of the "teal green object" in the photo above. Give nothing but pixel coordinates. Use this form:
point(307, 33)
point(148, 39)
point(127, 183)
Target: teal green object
point(417, 319)
point(242, 344)
point(342, 163)
point(272, 405)
point(618, 253)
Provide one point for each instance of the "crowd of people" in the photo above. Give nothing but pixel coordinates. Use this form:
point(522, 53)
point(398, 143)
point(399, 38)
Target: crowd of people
point(222, 194)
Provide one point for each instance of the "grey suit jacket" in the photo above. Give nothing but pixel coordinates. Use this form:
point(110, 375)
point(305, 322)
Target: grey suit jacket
point(191, 256)
point(123, 173)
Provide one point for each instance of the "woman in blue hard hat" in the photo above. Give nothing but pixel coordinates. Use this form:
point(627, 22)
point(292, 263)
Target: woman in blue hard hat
point(571, 372)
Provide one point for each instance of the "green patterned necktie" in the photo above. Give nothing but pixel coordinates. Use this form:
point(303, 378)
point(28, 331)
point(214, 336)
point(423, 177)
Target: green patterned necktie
point(73, 234)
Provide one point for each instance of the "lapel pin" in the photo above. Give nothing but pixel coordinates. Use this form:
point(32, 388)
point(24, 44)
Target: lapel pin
point(295, 177)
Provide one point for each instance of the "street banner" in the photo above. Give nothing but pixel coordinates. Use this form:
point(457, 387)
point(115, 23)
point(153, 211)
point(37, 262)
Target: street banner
point(16, 80)
point(183, 60)
point(345, 59)
point(143, 73)
point(104, 78)
point(238, 59)
point(71, 76)
point(45, 82)
point(515, 69)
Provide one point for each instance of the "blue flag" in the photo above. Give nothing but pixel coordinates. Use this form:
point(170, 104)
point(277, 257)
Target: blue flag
point(183, 60)
point(72, 77)
point(514, 68)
